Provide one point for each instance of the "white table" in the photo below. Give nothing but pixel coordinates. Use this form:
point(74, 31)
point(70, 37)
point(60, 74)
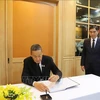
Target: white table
point(89, 85)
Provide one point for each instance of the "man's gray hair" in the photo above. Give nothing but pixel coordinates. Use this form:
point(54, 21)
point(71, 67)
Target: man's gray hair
point(35, 47)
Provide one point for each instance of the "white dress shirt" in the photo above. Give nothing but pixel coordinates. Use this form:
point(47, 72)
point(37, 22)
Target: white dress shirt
point(94, 42)
point(40, 66)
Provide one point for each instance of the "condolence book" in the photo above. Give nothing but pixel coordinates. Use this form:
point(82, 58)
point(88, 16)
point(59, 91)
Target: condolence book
point(63, 84)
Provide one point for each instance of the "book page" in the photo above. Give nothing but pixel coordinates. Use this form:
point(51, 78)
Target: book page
point(63, 84)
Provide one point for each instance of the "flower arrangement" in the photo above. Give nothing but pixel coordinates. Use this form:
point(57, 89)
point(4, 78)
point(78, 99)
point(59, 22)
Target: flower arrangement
point(11, 92)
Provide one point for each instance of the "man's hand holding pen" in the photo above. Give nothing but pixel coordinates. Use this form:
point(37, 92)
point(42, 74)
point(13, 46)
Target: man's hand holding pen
point(41, 87)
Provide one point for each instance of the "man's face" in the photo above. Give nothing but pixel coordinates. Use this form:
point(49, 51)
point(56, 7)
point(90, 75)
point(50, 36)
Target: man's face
point(37, 56)
point(93, 33)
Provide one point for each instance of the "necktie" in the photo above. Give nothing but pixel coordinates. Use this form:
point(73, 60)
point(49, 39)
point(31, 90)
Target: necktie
point(93, 43)
point(39, 69)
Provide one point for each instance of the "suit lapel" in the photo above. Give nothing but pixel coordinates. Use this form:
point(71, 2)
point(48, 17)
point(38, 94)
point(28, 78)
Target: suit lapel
point(89, 43)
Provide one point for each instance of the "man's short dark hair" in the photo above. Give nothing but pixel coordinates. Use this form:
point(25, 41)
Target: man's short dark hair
point(93, 27)
point(35, 47)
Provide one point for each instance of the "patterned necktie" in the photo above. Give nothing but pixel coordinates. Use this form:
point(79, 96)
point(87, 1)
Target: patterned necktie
point(93, 43)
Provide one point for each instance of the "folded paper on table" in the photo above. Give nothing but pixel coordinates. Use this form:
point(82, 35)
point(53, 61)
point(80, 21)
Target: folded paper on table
point(63, 84)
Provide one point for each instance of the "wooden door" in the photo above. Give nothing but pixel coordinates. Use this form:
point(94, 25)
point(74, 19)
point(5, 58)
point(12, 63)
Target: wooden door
point(15, 65)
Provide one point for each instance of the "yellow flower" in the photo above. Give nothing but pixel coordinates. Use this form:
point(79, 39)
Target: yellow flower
point(15, 93)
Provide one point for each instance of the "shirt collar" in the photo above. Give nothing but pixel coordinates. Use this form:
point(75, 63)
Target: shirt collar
point(94, 39)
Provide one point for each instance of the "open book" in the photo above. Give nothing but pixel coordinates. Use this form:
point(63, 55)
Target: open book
point(63, 84)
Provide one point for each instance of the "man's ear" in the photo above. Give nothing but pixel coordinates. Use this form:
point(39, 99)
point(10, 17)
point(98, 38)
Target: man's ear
point(98, 31)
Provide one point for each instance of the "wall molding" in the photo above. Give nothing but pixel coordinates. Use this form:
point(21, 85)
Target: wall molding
point(18, 60)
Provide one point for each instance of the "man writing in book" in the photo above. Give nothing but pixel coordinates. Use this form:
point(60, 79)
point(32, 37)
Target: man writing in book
point(37, 67)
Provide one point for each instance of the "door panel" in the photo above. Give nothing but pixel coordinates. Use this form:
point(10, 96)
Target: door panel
point(20, 38)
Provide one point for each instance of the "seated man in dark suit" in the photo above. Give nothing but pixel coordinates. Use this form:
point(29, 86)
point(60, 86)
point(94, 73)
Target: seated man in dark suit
point(37, 67)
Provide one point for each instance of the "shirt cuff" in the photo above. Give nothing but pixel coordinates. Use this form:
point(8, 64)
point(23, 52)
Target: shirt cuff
point(33, 83)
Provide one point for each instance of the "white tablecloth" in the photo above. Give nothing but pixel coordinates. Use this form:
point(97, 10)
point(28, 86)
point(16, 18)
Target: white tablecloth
point(89, 84)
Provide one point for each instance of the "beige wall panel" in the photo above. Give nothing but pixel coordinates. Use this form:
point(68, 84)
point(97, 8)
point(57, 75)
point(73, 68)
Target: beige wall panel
point(17, 67)
point(3, 78)
point(59, 31)
point(78, 67)
point(68, 67)
point(17, 73)
point(68, 35)
point(9, 23)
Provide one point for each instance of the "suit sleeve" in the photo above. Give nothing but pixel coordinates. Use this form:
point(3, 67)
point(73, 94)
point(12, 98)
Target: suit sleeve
point(26, 77)
point(55, 69)
point(83, 54)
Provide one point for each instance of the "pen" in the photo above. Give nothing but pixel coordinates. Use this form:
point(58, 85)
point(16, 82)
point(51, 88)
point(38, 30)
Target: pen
point(46, 95)
point(46, 91)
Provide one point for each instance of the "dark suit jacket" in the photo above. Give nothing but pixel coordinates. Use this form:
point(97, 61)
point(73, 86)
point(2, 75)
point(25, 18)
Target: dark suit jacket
point(89, 55)
point(31, 72)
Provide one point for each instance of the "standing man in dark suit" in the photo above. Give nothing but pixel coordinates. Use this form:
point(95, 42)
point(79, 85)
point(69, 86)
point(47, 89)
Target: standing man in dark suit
point(37, 67)
point(90, 60)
